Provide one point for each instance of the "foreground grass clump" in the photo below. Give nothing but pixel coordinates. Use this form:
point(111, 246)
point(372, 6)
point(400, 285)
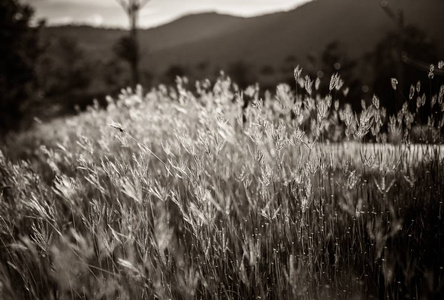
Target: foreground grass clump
point(171, 195)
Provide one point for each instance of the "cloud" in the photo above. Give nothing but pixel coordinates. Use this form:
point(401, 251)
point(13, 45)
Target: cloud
point(100, 3)
point(149, 12)
point(109, 13)
point(95, 20)
point(61, 20)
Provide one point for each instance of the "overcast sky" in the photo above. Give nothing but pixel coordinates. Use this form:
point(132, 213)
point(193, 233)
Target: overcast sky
point(156, 12)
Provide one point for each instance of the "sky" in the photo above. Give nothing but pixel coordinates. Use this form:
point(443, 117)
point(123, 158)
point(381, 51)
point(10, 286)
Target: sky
point(156, 12)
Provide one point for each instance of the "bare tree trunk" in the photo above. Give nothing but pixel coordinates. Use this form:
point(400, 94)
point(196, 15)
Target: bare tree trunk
point(134, 64)
point(132, 9)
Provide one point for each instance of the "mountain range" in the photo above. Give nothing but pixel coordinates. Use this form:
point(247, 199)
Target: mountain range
point(215, 40)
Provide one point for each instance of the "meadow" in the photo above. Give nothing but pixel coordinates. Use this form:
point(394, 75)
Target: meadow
point(173, 194)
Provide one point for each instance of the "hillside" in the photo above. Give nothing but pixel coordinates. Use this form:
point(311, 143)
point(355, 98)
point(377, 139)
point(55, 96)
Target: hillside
point(269, 39)
point(98, 42)
point(358, 25)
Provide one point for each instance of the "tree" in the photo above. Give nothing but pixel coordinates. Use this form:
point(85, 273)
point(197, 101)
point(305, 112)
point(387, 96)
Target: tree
point(174, 71)
point(128, 47)
point(241, 73)
point(401, 54)
point(66, 77)
point(63, 69)
point(19, 50)
point(334, 60)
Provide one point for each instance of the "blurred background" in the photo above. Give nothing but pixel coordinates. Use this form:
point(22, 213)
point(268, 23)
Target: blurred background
point(57, 56)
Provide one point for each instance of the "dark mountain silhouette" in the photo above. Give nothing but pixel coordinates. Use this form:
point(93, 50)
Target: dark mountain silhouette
point(188, 29)
point(265, 40)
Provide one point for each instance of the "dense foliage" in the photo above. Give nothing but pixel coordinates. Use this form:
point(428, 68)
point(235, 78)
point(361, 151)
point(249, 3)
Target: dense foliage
point(175, 195)
point(19, 50)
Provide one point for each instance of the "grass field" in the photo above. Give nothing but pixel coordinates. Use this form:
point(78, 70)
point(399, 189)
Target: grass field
point(177, 195)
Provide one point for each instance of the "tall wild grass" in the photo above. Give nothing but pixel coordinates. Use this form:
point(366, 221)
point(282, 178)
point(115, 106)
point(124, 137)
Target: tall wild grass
point(171, 194)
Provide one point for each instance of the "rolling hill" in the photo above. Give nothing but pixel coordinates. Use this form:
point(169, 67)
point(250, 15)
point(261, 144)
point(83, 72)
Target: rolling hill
point(219, 40)
point(358, 25)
